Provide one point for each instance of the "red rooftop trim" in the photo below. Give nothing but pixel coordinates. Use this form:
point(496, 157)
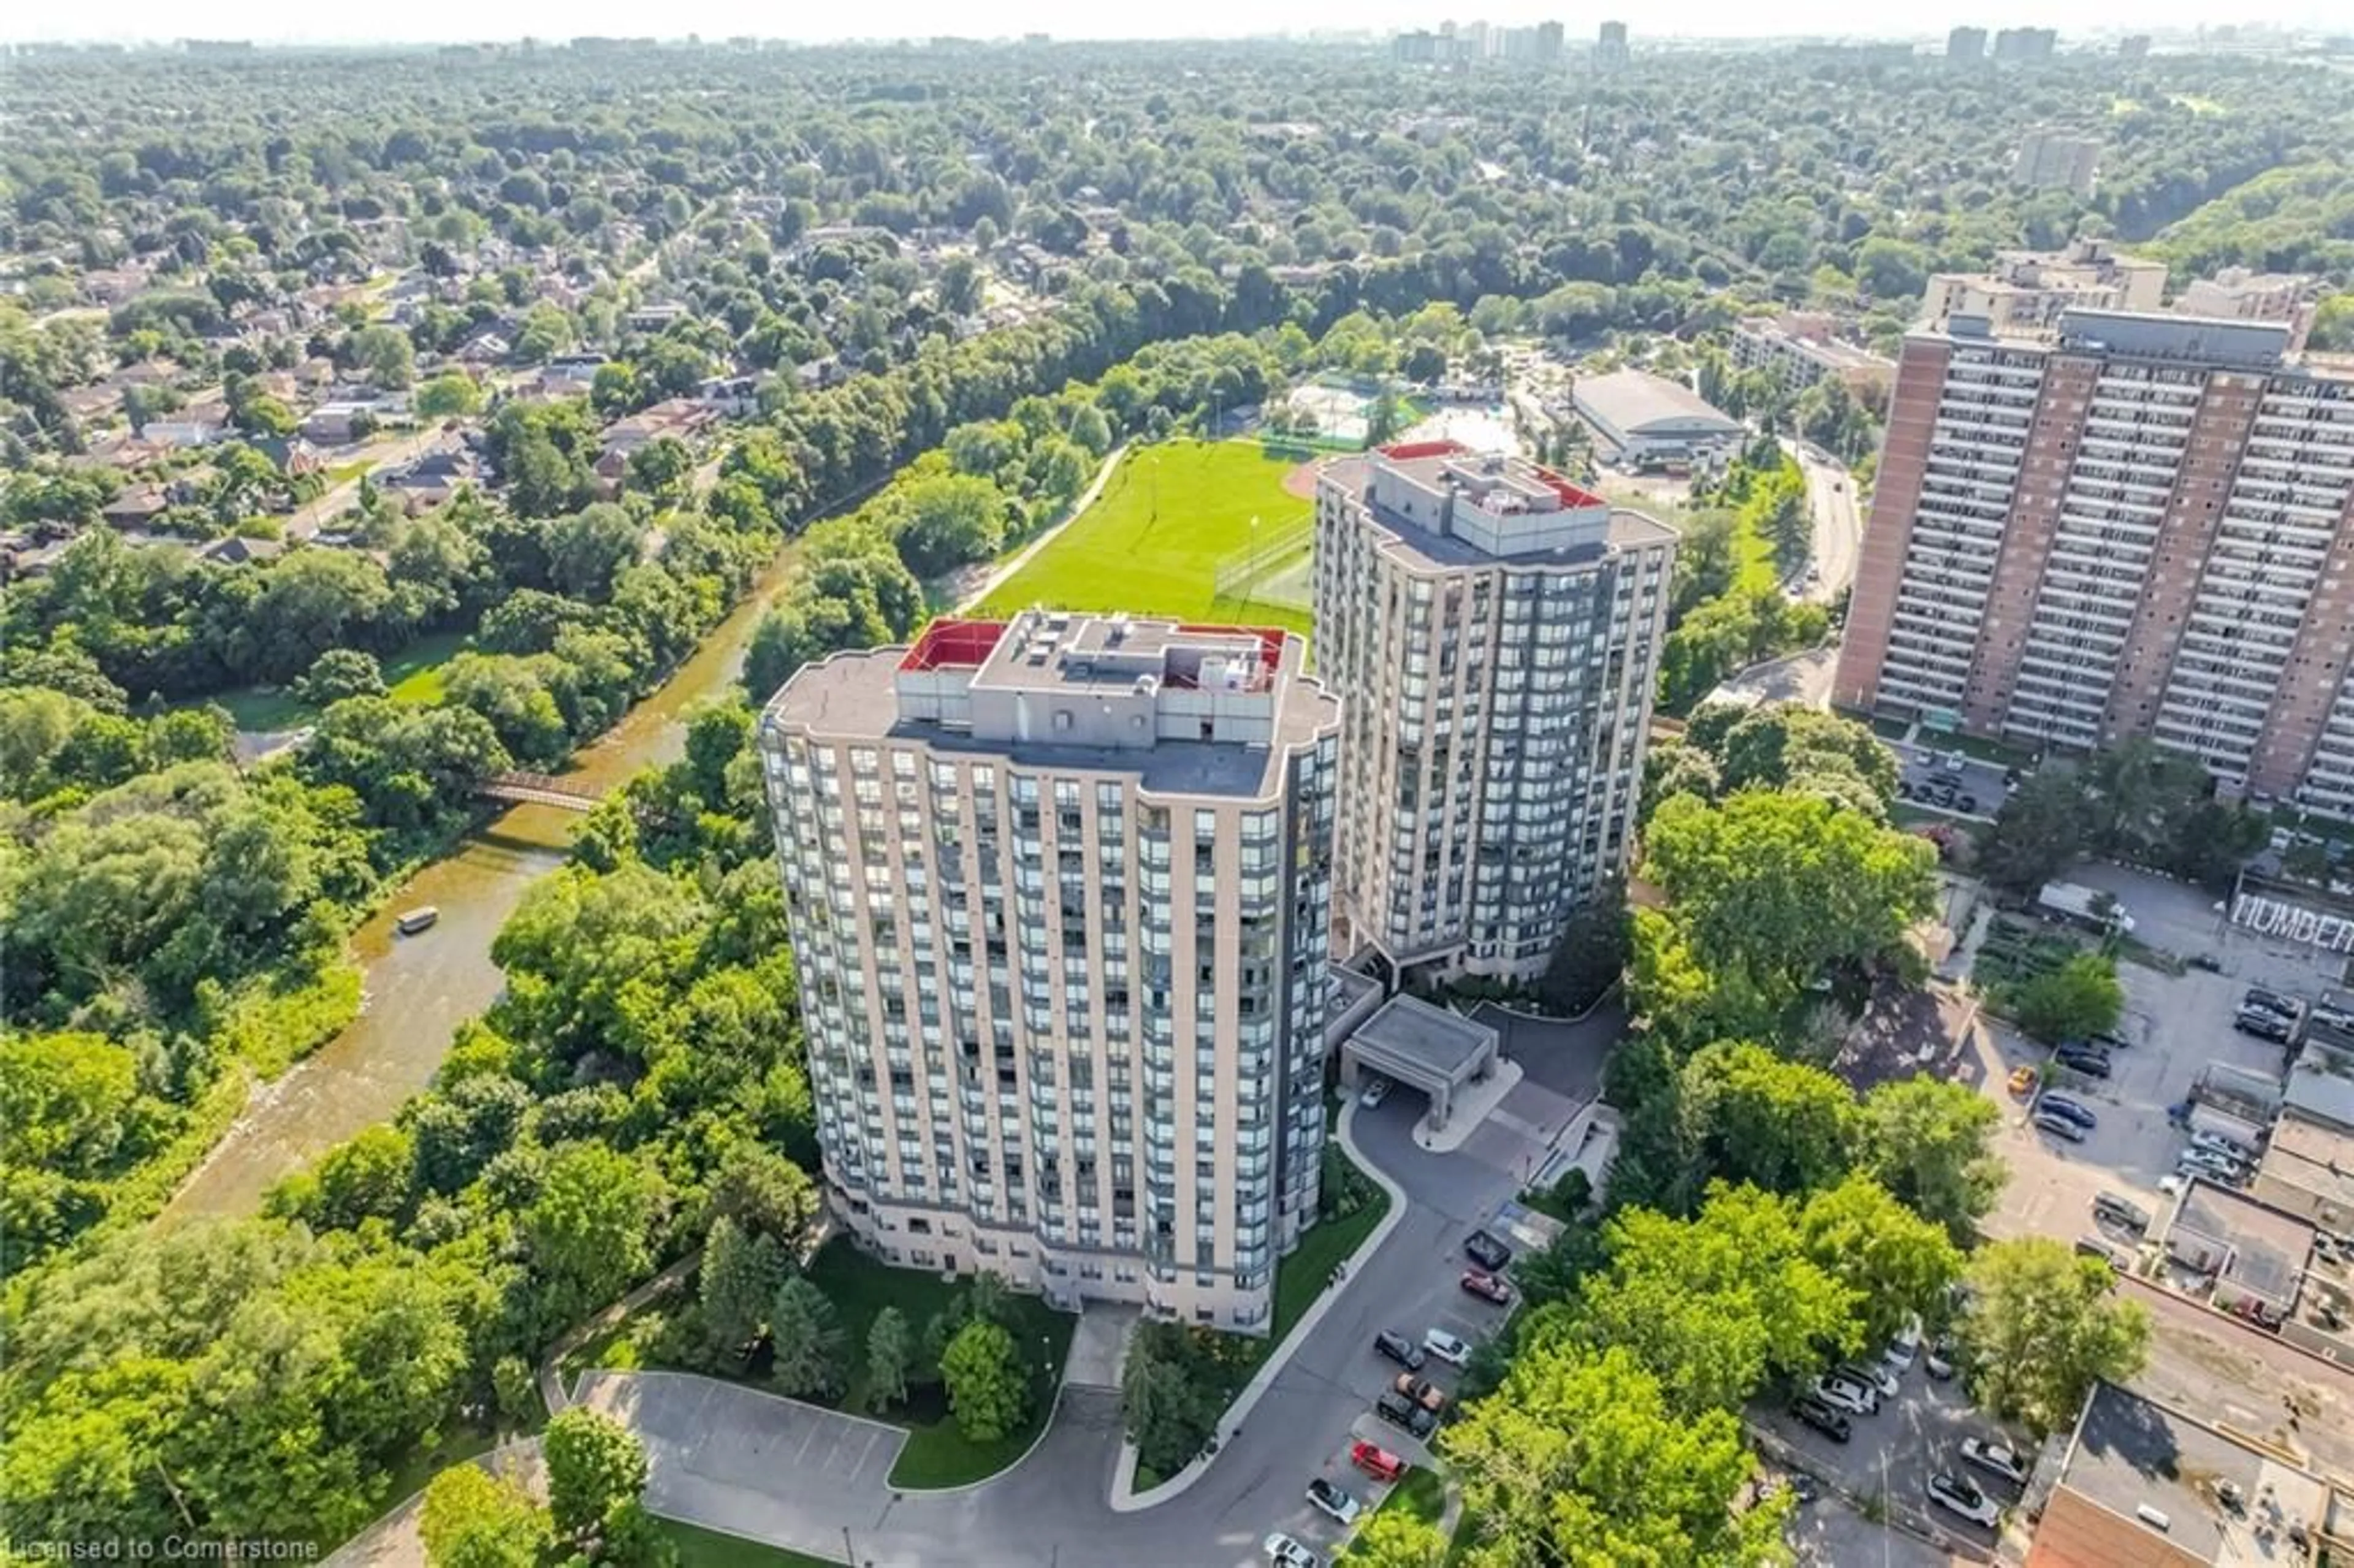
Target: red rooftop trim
point(1406, 451)
point(949, 642)
point(1571, 496)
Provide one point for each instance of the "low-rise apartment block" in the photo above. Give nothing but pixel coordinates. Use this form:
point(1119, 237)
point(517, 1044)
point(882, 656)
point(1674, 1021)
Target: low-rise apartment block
point(2026, 290)
point(1494, 634)
point(1800, 349)
point(1059, 890)
point(2141, 524)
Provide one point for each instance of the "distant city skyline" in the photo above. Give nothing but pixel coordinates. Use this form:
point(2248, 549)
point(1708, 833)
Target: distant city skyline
point(448, 21)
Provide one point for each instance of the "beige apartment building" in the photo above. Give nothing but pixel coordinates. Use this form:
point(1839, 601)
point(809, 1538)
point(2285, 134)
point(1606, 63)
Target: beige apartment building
point(1799, 349)
point(2140, 524)
point(1494, 633)
point(2026, 290)
point(1059, 890)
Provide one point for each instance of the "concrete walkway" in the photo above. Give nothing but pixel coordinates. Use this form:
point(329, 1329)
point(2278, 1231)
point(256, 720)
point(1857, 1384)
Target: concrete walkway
point(1003, 570)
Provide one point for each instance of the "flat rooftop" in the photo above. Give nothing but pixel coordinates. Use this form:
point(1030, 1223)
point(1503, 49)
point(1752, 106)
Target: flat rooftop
point(1600, 529)
point(1185, 709)
point(2263, 1249)
point(2159, 1479)
point(1445, 1042)
point(2312, 1158)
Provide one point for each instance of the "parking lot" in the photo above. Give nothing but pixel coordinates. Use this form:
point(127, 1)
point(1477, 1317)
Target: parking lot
point(1948, 781)
point(1916, 1434)
point(2174, 1026)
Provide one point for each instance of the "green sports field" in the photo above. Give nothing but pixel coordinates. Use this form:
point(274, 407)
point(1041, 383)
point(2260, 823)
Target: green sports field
point(1154, 540)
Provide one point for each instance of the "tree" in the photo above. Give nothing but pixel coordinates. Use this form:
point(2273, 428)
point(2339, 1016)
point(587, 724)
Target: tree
point(474, 1520)
point(1719, 1305)
point(740, 1276)
point(960, 285)
point(1930, 1142)
point(988, 1388)
point(2041, 1327)
point(594, 1465)
point(1584, 1459)
point(890, 1346)
point(766, 1193)
point(341, 673)
point(587, 550)
point(943, 522)
point(1898, 1263)
point(806, 1340)
point(1592, 952)
point(660, 469)
point(385, 354)
point(590, 1228)
point(2079, 998)
point(1770, 889)
point(2046, 826)
point(451, 395)
point(1393, 1537)
point(1749, 1116)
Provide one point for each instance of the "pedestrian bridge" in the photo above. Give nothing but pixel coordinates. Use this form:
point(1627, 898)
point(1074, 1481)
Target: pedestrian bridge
point(536, 789)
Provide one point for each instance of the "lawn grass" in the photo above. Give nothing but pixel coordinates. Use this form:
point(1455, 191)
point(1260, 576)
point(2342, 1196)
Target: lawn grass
point(699, 1548)
point(1153, 542)
point(413, 675)
point(937, 1454)
point(1301, 1277)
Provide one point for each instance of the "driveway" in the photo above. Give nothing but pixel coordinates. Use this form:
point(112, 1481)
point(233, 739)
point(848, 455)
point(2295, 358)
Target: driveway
point(792, 1475)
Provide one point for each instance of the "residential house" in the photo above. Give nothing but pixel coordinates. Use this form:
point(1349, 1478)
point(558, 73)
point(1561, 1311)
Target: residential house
point(730, 396)
point(485, 347)
point(135, 507)
point(182, 432)
point(431, 478)
point(239, 551)
point(657, 317)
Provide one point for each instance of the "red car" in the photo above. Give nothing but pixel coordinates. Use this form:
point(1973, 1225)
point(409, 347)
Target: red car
point(1488, 1286)
point(1376, 1462)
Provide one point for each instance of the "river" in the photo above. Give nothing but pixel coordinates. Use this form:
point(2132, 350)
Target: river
point(420, 989)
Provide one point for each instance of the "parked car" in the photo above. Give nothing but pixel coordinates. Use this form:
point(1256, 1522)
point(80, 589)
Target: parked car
point(1446, 1347)
point(2058, 1126)
point(1904, 1347)
point(1879, 1379)
point(1840, 1394)
point(2023, 1081)
point(1997, 1459)
point(1822, 1417)
point(1488, 1286)
point(1377, 1089)
point(1399, 1349)
point(2092, 1063)
point(2262, 1314)
point(1422, 1391)
point(1330, 1499)
point(1401, 1412)
point(2123, 1212)
point(2227, 1148)
point(1960, 1495)
point(2270, 1002)
point(1939, 1363)
point(2262, 1024)
point(2095, 1246)
point(1966, 804)
point(2208, 1163)
point(1376, 1461)
point(2174, 1184)
point(1487, 1251)
point(2076, 1111)
point(1285, 1552)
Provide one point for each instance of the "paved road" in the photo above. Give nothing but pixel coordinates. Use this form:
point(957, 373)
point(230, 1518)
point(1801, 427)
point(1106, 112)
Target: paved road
point(768, 1469)
point(1839, 528)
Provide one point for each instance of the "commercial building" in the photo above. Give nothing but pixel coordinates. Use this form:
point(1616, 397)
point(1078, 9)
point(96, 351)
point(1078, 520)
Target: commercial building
point(1800, 349)
point(2051, 160)
point(2144, 1484)
point(2139, 525)
point(1610, 51)
point(2133, 48)
point(1966, 46)
point(2026, 290)
point(1059, 890)
point(2025, 44)
point(1639, 419)
point(2237, 294)
point(1549, 43)
point(1494, 633)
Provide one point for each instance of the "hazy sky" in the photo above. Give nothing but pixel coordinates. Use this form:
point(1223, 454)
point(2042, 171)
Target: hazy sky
point(314, 21)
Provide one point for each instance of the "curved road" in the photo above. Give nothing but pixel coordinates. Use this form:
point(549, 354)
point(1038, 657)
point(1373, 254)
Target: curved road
point(733, 1459)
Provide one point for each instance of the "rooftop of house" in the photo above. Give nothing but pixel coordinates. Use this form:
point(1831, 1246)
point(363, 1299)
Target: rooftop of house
point(2155, 1479)
point(2247, 1243)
